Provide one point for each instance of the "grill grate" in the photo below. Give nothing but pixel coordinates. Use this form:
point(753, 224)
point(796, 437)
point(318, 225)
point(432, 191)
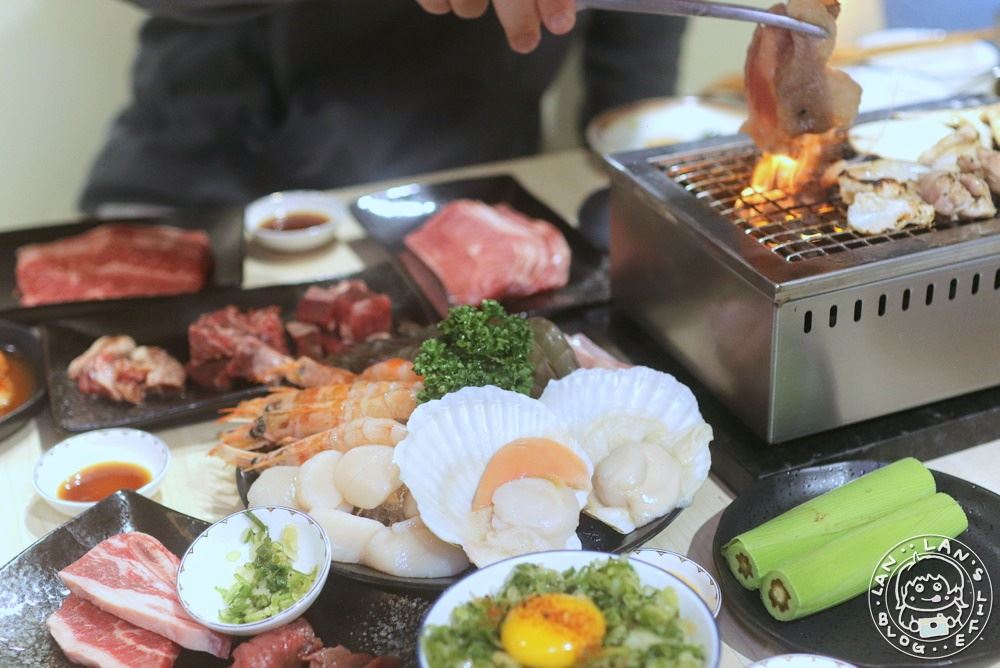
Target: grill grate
point(791, 227)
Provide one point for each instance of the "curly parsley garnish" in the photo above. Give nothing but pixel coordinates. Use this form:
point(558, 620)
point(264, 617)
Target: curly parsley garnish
point(477, 347)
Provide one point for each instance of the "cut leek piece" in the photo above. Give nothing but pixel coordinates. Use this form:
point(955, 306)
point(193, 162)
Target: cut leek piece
point(843, 568)
point(819, 520)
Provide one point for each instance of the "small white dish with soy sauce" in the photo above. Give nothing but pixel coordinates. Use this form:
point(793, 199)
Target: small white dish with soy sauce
point(227, 578)
point(294, 220)
point(78, 472)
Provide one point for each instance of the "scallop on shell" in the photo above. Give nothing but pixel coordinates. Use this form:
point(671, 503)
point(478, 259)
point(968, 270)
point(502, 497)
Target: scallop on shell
point(643, 431)
point(526, 499)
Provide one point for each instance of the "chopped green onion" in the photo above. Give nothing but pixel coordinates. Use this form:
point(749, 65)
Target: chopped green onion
point(267, 583)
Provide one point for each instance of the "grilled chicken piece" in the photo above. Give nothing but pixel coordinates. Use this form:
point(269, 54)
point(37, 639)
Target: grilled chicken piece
point(882, 195)
point(985, 165)
point(854, 178)
point(887, 208)
point(956, 195)
point(991, 116)
point(963, 143)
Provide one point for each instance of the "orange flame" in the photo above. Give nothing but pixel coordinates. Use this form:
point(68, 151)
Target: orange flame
point(792, 171)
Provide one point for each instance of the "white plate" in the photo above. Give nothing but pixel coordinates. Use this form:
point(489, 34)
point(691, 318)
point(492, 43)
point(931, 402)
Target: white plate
point(800, 661)
point(282, 204)
point(489, 580)
point(920, 75)
point(214, 557)
point(689, 571)
point(132, 446)
point(662, 121)
point(905, 136)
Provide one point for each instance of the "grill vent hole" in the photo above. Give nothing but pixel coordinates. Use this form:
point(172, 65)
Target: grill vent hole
point(929, 299)
point(857, 310)
point(975, 283)
point(906, 299)
point(833, 316)
point(953, 288)
point(996, 280)
point(808, 324)
point(881, 306)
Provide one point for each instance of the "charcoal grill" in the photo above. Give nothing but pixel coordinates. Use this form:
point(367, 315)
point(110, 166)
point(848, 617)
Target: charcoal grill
point(794, 321)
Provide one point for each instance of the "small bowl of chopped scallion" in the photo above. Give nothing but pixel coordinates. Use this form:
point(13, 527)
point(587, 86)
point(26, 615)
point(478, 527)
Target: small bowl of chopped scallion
point(254, 571)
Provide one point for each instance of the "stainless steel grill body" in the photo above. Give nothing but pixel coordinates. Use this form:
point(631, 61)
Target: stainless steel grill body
point(796, 323)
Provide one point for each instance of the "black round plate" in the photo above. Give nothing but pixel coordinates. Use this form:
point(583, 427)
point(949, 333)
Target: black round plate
point(593, 535)
point(21, 340)
point(847, 631)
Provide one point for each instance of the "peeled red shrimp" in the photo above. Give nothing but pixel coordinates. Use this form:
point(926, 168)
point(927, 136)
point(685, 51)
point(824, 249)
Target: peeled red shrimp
point(363, 431)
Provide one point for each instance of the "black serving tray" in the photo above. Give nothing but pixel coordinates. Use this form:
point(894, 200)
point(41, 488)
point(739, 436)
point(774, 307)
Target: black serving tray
point(163, 322)
point(389, 215)
point(847, 631)
point(362, 618)
point(224, 227)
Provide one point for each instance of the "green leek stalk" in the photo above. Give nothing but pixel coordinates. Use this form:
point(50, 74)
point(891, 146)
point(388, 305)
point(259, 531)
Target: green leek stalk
point(843, 568)
point(820, 520)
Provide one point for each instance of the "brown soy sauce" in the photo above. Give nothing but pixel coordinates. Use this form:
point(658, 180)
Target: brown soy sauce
point(295, 220)
point(94, 482)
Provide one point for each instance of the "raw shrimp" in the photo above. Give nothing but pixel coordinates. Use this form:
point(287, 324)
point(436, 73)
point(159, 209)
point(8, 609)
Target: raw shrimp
point(363, 431)
point(371, 399)
point(287, 399)
point(394, 368)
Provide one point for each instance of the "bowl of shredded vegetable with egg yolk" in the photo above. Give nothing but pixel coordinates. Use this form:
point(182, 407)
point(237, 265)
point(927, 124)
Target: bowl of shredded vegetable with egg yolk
point(569, 608)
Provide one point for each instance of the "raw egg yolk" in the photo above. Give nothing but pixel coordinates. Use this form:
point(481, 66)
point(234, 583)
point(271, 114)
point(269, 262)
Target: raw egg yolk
point(552, 630)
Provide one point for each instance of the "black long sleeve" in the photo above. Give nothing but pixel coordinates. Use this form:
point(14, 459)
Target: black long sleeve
point(627, 57)
point(209, 12)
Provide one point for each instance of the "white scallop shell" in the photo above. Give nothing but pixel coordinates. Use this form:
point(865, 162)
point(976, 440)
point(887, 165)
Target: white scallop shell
point(451, 440)
point(596, 401)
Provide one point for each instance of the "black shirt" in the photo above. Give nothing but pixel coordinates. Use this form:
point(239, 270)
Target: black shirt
point(236, 98)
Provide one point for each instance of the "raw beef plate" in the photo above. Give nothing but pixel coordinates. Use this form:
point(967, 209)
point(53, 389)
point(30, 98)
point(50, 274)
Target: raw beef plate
point(134, 577)
point(91, 637)
point(480, 252)
point(114, 260)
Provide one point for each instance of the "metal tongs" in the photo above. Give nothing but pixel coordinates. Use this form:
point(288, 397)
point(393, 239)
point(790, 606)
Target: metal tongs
point(721, 10)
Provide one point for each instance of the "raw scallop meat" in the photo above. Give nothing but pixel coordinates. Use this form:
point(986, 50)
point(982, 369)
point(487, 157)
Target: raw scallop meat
point(480, 252)
point(91, 637)
point(114, 260)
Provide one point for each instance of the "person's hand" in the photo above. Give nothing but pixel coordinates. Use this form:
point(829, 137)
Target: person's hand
point(522, 20)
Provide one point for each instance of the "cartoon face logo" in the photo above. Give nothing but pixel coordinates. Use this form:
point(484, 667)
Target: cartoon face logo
point(929, 595)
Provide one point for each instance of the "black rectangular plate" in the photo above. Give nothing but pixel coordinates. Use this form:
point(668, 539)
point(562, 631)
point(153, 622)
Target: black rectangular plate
point(739, 457)
point(223, 226)
point(358, 616)
point(163, 322)
point(390, 215)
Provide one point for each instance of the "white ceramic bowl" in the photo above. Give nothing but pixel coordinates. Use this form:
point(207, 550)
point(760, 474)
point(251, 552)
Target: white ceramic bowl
point(689, 571)
point(214, 557)
point(489, 580)
point(800, 661)
point(281, 204)
point(93, 447)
